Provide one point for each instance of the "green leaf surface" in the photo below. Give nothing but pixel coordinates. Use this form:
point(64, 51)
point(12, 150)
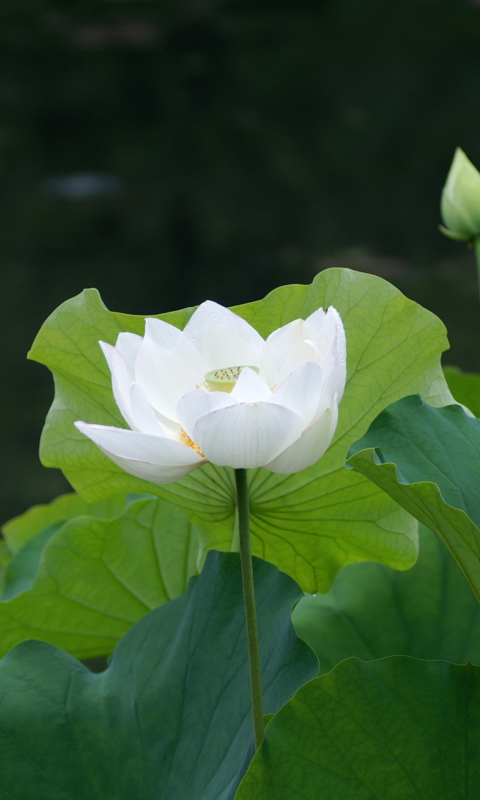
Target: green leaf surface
point(21, 529)
point(96, 577)
point(22, 568)
point(309, 524)
point(170, 718)
point(5, 556)
point(428, 460)
point(465, 387)
point(394, 729)
point(373, 611)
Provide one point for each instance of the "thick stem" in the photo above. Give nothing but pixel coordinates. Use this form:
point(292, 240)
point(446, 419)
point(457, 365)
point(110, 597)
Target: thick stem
point(250, 612)
point(476, 247)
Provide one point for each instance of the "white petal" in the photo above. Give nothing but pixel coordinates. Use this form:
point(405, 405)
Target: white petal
point(152, 372)
point(299, 352)
point(339, 354)
point(332, 331)
point(309, 447)
point(187, 368)
point(226, 347)
point(301, 391)
point(289, 348)
point(314, 322)
point(280, 341)
point(331, 323)
point(246, 435)
point(122, 379)
point(162, 333)
point(332, 350)
point(268, 366)
point(143, 415)
point(209, 313)
point(107, 350)
point(152, 458)
point(250, 388)
point(128, 345)
point(335, 372)
point(198, 403)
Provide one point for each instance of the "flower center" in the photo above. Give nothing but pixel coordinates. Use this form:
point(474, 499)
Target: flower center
point(185, 439)
point(223, 380)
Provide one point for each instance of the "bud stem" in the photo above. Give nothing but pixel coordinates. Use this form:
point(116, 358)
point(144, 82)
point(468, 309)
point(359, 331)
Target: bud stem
point(250, 612)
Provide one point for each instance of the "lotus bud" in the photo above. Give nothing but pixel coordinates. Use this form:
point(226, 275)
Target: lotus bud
point(460, 204)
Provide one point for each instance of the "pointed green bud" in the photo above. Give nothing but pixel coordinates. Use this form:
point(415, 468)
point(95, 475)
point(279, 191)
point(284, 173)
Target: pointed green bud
point(460, 204)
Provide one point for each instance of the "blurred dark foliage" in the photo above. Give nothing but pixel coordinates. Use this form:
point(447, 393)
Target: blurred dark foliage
point(171, 152)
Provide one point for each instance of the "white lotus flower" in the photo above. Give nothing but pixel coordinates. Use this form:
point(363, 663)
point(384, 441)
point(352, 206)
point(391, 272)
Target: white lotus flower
point(218, 392)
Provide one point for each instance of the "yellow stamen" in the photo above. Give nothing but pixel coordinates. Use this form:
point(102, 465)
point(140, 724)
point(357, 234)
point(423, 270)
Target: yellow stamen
point(185, 439)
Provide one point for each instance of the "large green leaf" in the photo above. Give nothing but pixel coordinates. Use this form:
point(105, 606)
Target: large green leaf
point(465, 387)
point(27, 534)
point(96, 577)
point(312, 523)
point(21, 529)
point(170, 718)
point(428, 460)
point(394, 729)
point(5, 556)
point(22, 567)
point(373, 611)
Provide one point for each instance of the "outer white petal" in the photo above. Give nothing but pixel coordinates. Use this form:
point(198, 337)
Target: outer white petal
point(332, 331)
point(311, 446)
point(335, 373)
point(226, 347)
point(301, 391)
point(246, 435)
point(162, 333)
point(187, 368)
point(198, 403)
point(299, 351)
point(280, 341)
point(152, 458)
point(122, 379)
point(167, 376)
point(152, 372)
point(250, 388)
point(314, 323)
point(128, 345)
point(290, 347)
point(339, 354)
point(209, 313)
point(331, 344)
point(331, 323)
point(268, 365)
point(143, 415)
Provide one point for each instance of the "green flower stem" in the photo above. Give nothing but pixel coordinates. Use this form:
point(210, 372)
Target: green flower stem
point(250, 612)
point(235, 540)
point(476, 247)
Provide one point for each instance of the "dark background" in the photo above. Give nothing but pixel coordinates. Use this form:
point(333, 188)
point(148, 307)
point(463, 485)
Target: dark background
point(171, 152)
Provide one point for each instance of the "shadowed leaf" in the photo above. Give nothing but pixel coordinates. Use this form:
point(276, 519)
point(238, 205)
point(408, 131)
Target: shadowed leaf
point(394, 729)
point(170, 718)
point(428, 460)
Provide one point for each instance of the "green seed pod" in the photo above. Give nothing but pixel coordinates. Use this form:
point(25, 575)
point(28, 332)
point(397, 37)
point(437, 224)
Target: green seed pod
point(223, 380)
